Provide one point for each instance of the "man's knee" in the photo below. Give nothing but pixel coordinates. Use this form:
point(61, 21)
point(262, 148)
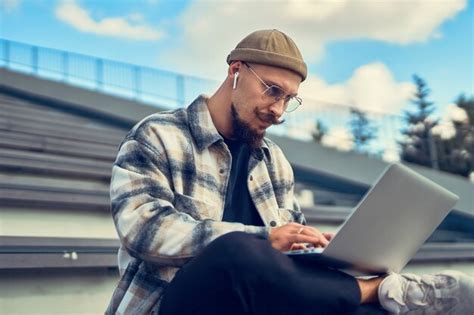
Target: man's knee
point(238, 250)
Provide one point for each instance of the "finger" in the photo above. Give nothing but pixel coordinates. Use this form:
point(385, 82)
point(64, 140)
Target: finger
point(314, 232)
point(297, 246)
point(309, 230)
point(302, 238)
point(329, 236)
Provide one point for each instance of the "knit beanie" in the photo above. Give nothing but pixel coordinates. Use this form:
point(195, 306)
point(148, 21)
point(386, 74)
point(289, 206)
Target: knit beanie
point(271, 48)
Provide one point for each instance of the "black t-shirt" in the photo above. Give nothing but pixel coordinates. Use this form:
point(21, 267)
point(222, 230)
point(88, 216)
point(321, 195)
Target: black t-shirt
point(239, 206)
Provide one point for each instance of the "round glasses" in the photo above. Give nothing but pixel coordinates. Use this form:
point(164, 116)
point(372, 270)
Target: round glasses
point(277, 93)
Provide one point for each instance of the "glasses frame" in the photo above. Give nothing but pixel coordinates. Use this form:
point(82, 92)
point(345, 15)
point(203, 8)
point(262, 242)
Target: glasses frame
point(288, 97)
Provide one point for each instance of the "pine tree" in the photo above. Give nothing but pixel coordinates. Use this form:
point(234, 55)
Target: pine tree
point(418, 144)
point(468, 105)
point(362, 130)
point(457, 153)
point(320, 130)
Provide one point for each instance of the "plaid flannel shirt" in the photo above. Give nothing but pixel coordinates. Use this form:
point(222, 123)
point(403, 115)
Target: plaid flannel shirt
point(167, 192)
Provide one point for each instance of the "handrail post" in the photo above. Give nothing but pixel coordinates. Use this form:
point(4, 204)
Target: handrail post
point(6, 52)
point(180, 89)
point(137, 81)
point(65, 61)
point(99, 73)
point(34, 59)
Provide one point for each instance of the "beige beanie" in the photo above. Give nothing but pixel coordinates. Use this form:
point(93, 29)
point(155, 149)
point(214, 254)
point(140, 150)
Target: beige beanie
point(271, 48)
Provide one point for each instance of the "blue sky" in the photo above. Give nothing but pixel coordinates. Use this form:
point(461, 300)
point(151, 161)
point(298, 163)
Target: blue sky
point(446, 63)
point(353, 48)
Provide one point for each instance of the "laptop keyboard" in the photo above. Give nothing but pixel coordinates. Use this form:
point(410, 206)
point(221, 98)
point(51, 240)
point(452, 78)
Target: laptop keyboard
point(312, 250)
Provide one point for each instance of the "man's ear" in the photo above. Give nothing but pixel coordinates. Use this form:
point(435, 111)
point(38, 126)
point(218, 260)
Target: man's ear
point(234, 67)
point(233, 72)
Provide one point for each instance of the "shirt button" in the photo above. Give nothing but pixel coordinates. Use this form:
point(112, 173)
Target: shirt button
point(221, 171)
point(251, 178)
point(273, 223)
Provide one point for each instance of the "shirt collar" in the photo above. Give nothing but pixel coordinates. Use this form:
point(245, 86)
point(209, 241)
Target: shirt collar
point(205, 133)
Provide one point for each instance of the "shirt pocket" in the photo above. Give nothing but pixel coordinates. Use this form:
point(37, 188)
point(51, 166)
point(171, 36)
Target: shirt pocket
point(196, 208)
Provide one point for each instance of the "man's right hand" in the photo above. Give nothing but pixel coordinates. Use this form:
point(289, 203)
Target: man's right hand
point(284, 236)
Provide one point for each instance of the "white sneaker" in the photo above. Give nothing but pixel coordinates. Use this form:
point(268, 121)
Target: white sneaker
point(448, 292)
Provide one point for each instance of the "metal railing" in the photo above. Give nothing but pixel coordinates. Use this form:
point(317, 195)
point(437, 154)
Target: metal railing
point(153, 86)
point(171, 90)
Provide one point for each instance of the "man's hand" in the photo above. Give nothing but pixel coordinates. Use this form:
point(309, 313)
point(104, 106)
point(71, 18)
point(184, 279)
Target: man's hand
point(282, 238)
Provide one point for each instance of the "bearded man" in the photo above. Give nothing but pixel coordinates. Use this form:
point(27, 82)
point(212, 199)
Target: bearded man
point(204, 207)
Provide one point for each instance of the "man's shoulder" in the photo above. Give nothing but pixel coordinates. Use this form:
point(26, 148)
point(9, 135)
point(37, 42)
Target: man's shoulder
point(157, 130)
point(174, 118)
point(161, 123)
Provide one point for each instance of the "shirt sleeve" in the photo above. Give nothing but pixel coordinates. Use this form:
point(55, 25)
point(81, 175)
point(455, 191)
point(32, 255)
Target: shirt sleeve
point(299, 217)
point(142, 202)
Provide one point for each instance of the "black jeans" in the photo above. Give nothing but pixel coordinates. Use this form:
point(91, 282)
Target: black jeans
point(240, 273)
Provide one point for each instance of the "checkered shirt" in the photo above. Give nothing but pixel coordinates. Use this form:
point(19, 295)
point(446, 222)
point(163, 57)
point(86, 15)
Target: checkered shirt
point(167, 192)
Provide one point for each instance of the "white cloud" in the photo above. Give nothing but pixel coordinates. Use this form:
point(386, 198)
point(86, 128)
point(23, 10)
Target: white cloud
point(210, 29)
point(456, 114)
point(130, 27)
point(371, 88)
point(451, 114)
point(445, 130)
point(8, 6)
point(339, 138)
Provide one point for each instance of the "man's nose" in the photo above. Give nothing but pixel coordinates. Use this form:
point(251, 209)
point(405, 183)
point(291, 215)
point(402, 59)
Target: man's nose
point(278, 108)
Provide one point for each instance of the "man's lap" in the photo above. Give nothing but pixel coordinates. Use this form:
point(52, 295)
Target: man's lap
point(241, 273)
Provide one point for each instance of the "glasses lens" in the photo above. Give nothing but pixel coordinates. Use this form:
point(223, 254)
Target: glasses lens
point(293, 104)
point(275, 92)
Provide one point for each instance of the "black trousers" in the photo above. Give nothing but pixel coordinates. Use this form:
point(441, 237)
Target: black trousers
point(240, 273)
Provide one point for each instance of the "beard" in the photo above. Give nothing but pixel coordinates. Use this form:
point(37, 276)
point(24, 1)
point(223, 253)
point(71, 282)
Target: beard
point(243, 131)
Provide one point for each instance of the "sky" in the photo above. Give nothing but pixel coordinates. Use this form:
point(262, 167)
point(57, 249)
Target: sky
point(359, 52)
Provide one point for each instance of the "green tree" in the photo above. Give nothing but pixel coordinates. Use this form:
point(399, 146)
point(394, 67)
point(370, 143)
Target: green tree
point(456, 155)
point(468, 105)
point(362, 130)
point(320, 130)
point(418, 145)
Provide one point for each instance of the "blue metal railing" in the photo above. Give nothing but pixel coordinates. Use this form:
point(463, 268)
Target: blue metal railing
point(153, 86)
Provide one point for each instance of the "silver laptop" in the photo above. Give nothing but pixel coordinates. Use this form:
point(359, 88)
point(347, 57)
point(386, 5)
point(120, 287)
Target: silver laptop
point(388, 226)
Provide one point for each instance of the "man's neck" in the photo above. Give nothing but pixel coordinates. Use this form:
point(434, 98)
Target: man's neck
point(219, 106)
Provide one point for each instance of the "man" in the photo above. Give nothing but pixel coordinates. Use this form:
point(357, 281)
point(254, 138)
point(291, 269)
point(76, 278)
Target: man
point(203, 204)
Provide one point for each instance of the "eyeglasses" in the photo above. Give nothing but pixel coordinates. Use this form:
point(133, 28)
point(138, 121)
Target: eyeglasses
point(277, 93)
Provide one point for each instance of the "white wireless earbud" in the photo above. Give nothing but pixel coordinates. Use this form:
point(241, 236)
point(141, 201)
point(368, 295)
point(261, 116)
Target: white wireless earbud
point(236, 76)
